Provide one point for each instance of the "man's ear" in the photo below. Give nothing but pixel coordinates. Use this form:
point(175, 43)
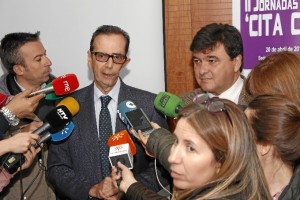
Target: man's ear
point(237, 61)
point(18, 69)
point(89, 59)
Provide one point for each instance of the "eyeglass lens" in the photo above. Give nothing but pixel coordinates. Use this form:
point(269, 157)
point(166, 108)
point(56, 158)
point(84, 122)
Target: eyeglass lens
point(103, 57)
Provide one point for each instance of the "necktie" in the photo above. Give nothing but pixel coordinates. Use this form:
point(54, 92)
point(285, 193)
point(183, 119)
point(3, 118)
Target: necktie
point(105, 130)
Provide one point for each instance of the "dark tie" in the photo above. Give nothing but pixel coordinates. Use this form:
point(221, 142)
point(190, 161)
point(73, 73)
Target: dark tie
point(105, 130)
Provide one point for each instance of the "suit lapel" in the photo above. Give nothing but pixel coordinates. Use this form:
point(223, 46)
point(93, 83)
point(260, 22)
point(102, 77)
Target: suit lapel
point(88, 129)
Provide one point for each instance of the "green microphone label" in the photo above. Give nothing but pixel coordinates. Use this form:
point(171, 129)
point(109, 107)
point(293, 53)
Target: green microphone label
point(163, 101)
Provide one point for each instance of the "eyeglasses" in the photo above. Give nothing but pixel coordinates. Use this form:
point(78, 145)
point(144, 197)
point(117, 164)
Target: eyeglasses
point(213, 105)
point(103, 57)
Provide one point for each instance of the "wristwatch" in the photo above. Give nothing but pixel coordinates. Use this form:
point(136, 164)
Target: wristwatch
point(9, 116)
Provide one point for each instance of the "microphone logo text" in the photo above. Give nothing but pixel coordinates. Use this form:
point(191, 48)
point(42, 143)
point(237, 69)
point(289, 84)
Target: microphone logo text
point(62, 114)
point(67, 86)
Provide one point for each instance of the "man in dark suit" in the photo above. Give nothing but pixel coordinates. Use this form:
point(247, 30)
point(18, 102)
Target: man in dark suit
point(75, 165)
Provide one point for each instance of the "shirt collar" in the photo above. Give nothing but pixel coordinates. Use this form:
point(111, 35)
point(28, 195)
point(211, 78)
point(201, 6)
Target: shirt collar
point(114, 93)
point(233, 92)
point(22, 88)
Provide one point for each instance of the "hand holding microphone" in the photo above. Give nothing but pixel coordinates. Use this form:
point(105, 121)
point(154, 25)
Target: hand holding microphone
point(121, 149)
point(22, 106)
point(124, 175)
point(18, 143)
point(55, 120)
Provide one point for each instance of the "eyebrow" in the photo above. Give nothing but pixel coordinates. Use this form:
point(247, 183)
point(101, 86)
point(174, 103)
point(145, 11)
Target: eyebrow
point(40, 55)
point(212, 57)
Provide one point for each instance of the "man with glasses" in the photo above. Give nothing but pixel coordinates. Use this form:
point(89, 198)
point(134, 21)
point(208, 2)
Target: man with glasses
point(76, 167)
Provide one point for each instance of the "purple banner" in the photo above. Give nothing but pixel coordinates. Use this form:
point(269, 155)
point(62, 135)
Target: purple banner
point(269, 26)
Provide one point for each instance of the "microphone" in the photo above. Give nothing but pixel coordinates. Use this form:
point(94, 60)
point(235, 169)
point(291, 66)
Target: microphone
point(121, 149)
point(51, 95)
point(56, 137)
point(168, 104)
point(134, 117)
point(61, 85)
point(124, 107)
point(3, 99)
point(55, 120)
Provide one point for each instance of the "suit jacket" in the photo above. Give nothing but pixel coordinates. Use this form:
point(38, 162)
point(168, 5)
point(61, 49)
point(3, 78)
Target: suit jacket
point(188, 97)
point(74, 164)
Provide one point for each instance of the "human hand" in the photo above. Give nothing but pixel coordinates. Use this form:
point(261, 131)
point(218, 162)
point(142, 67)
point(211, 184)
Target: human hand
point(21, 142)
point(105, 190)
point(125, 174)
point(22, 106)
point(29, 156)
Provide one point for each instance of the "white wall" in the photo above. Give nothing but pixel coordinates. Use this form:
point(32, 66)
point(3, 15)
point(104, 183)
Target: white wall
point(67, 25)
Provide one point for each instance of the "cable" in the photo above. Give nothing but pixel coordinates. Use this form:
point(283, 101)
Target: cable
point(159, 180)
point(42, 167)
point(21, 181)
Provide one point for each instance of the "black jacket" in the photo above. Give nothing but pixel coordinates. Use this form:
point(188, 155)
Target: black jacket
point(292, 190)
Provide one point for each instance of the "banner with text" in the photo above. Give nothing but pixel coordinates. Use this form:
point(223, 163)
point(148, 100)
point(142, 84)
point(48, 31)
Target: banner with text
point(269, 26)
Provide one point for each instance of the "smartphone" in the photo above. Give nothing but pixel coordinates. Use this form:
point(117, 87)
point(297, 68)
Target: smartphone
point(139, 121)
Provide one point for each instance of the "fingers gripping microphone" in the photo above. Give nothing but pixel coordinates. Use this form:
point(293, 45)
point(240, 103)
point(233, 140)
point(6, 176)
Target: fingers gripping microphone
point(55, 120)
point(121, 149)
point(168, 104)
point(62, 85)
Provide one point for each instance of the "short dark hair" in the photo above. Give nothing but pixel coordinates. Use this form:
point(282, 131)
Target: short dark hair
point(212, 34)
point(110, 29)
point(10, 48)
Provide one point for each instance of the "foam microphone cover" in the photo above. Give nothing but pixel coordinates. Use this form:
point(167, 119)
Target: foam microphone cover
point(167, 103)
point(64, 133)
point(51, 95)
point(71, 103)
point(65, 84)
point(3, 99)
point(58, 118)
point(124, 107)
point(120, 138)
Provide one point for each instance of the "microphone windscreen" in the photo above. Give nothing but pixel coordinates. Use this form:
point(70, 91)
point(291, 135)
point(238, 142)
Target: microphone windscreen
point(65, 84)
point(120, 138)
point(58, 118)
point(3, 99)
point(124, 107)
point(167, 103)
point(71, 103)
point(64, 133)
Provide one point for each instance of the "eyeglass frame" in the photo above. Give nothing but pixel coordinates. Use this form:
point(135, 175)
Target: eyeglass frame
point(209, 102)
point(109, 56)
